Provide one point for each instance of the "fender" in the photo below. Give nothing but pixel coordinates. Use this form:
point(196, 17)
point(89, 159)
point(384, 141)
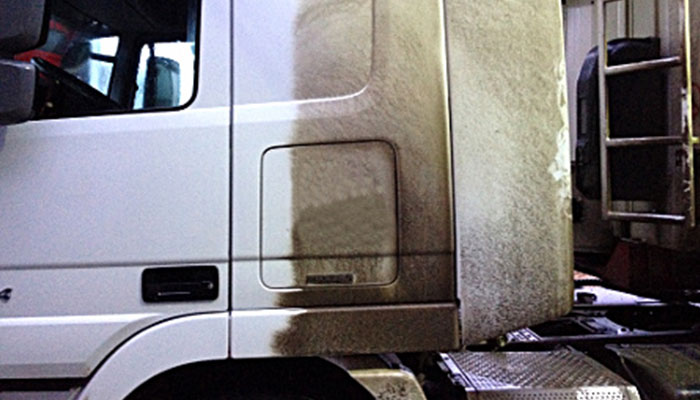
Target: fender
point(162, 347)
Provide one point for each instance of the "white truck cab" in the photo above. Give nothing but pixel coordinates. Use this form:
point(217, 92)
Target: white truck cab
point(202, 181)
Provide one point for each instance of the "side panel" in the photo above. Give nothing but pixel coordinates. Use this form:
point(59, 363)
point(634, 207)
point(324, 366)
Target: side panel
point(511, 163)
point(119, 189)
point(62, 322)
point(344, 330)
point(346, 229)
point(88, 203)
point(341, 190)
point(368, 77)
point(168, 345)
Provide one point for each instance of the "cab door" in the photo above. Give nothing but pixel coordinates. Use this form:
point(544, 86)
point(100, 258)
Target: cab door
point(125, 171)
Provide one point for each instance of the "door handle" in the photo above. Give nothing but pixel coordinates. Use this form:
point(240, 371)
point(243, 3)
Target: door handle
point(180, 284)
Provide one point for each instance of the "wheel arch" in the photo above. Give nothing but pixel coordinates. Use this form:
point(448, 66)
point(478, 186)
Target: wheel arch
point(290, 378)
point(162, 347)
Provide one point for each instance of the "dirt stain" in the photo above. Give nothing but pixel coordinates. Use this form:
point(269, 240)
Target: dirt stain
point(403, 104)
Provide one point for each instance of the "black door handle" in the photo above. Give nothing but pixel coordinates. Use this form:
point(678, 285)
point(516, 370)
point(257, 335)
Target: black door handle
point(180, 284)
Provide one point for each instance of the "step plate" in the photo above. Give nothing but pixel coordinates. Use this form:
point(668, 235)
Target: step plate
point(554, 375)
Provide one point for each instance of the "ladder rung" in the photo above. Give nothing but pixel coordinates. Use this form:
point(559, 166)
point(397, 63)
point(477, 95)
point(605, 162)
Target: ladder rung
point(646, 217)
point(644, 66)
point(645, 141)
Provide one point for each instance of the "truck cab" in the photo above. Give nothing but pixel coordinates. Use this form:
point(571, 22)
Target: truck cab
point(248, 183)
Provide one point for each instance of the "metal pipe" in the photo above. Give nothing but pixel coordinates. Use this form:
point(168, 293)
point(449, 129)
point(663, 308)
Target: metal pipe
point(646, 141)
point(644, 65)
point(551, 342)
point(646, 217)
point(605, 197)
point(687, 103)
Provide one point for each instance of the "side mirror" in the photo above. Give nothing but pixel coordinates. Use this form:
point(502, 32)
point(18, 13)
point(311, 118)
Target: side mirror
point(23, 25)
point(17, 83)
point(162, 83)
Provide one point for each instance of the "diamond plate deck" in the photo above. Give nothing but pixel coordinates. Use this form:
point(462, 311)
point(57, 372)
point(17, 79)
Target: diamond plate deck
point(554, 375)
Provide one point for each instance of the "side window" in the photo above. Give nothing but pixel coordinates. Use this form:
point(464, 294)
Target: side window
point(112, 56)
point(95, 68)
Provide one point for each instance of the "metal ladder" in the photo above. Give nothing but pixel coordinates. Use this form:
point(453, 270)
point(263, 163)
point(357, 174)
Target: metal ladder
point(685, 139)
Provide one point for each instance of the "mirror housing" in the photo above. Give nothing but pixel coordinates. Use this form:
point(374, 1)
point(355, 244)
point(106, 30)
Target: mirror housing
point(17, 84)
point(23, 25)
point(162, 83)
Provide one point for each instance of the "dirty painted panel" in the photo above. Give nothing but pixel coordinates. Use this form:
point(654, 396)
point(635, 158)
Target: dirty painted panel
point(344, 330)
point(403, 104)
point(421, 278)
point(511, 163)
point(681, 238)
point(339, 216)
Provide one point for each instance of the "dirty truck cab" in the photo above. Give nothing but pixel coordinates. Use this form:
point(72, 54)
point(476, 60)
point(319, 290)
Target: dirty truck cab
point(199, 181)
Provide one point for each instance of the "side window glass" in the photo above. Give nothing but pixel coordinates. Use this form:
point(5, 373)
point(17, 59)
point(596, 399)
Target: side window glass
point(96, 65)
point(116, 56)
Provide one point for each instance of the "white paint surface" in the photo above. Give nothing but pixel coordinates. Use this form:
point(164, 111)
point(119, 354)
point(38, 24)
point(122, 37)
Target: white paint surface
point(178, 342)
point(87, 203)
point(62, 322)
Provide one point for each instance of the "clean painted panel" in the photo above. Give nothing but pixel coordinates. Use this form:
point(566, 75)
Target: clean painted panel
point(281, 49)
point(86, 204)
point(119, 189)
